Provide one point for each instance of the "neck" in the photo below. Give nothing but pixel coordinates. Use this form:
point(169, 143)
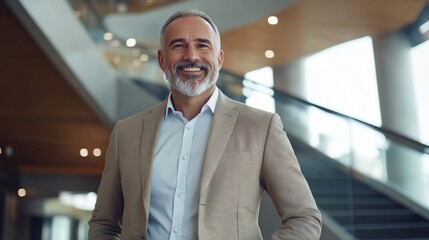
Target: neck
point(190, 106)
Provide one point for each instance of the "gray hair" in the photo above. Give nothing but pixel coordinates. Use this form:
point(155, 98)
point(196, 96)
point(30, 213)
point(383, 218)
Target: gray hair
point(191, 12)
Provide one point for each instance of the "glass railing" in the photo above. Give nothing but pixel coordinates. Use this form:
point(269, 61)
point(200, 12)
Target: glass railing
point(375, 173)
point(400, 163)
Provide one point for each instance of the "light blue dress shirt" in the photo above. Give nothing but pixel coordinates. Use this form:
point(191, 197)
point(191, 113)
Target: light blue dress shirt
point(176, 173)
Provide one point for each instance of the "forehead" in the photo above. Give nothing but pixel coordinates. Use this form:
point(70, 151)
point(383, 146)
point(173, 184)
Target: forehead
point(189, 26)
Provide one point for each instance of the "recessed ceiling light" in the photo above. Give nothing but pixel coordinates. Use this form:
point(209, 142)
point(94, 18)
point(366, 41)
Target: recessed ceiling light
point(22, 192)
point(108, 36)
point(273, 20)
point(144, 57)
point(131, 42)
point(96, 152)
point(269, 54)
point(84, 152)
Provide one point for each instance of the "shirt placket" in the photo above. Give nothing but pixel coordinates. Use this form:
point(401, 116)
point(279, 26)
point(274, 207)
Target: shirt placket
point(180, 193)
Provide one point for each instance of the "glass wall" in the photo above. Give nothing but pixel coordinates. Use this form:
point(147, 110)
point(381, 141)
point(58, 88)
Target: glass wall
point(343, 78)
point(419, 59)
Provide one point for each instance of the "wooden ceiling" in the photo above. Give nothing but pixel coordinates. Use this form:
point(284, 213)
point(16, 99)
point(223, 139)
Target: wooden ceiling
point(42, 118)
point(46, 123)
point(309, 26)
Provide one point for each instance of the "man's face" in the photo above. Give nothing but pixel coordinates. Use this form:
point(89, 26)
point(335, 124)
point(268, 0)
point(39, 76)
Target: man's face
point(190, 55)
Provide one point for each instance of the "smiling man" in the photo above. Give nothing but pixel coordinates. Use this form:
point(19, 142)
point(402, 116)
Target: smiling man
point(195, 166)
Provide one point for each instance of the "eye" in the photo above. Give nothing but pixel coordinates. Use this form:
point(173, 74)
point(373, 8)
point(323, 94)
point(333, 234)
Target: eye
point(202, 46)
point(177, 45)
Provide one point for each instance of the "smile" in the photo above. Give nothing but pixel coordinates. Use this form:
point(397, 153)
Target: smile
point(191, 69)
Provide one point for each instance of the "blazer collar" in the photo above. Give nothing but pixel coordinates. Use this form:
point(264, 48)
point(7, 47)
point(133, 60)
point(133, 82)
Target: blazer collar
point(224, 120)
point(150, 127)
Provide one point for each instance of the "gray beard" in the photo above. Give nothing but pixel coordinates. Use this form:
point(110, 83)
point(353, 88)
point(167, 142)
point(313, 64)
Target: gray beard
point(191, 87)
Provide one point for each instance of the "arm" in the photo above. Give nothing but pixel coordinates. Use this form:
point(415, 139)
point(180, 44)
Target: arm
point(287, 187)
point(106, 218)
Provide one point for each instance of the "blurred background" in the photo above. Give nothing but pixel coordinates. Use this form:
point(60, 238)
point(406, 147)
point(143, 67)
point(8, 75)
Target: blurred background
point(349, 78)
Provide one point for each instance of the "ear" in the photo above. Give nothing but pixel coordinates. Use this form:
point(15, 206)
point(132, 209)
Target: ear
point(220, 58)
point(161, 59)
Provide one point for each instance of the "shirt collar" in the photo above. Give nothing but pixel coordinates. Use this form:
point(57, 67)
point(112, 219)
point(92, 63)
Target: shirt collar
point(210, 104)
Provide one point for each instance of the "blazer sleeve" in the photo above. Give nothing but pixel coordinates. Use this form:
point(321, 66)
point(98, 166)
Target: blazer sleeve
point(105, 223)
point(282, 179)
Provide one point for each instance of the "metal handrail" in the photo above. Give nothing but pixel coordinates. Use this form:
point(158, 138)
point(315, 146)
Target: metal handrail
point(390, 134)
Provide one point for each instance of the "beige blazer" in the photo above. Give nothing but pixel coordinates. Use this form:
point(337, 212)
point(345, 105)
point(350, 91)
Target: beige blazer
point(247, 152)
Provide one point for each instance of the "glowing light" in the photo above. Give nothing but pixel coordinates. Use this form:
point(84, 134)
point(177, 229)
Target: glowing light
point(144, 57)
point(424, 27)
point(96, 152)
point(273, 20)
point(84, 152)
point(8, 151)
point(269, 54)
point(108, 36)
point(131, 42)
point(22, 192)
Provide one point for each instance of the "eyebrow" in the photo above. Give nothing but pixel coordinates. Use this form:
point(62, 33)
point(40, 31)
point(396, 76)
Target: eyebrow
point(200, 40)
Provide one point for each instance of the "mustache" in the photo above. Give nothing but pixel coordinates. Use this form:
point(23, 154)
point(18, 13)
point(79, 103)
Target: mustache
point(184, 64)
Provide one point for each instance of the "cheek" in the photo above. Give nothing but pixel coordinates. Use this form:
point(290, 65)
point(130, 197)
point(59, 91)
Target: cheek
point(171, 60)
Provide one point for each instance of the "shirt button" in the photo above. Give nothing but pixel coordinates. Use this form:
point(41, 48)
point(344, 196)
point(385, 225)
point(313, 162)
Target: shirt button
point(188, 127)
point(184, 158)
point(180, 195)
point(176, 230)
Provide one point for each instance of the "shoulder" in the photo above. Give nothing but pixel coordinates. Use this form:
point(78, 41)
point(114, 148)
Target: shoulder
point(137, 119)
point(246, 111)
point(247, 115)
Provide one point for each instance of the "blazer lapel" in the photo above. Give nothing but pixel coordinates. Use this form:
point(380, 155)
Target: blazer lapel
point(151, 124)
point(224, 120)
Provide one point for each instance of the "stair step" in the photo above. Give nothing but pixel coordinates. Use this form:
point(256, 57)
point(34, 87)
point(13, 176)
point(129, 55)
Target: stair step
point(366, 213)
point(375, 212)
point(407, 225)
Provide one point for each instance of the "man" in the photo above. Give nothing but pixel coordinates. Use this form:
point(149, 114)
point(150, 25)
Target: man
point(195, 165)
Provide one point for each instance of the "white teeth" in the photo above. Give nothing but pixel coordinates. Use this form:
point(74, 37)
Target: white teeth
point(191, 69)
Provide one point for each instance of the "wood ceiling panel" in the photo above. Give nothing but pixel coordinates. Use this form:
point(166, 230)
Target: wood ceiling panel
point(42, 117)
point(309, 26)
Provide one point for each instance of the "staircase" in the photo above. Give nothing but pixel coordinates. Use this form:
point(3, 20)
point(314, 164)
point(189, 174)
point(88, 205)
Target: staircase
point(357, 207)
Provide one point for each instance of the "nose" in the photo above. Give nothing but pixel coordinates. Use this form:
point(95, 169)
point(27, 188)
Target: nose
point(191, 54)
